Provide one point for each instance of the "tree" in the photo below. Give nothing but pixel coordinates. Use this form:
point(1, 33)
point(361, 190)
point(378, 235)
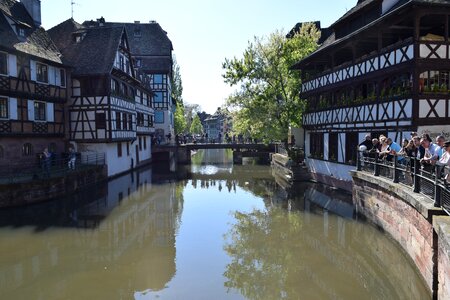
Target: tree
point(268, 101)
point(177, 96)
point(189, 111)
point(196, 126)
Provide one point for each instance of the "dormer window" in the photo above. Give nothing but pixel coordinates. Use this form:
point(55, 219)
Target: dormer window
point(137, 32)
point(41, 72)
point(138, 62)
point(3, 63)
point(78, 37)
point(21, 32)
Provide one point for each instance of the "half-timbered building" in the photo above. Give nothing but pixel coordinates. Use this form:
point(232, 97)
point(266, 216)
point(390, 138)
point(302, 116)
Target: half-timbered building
point(383, 68)
point(110, 108)
point(151, 50)
point(33, 88)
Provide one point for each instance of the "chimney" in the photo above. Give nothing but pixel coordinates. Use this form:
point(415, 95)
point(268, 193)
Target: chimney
point(137, 22)
point(34, 9)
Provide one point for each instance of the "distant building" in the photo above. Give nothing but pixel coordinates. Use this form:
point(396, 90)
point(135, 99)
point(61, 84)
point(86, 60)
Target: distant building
point(217, 125)
point(33, 85)
point(110, 106)
point(383, 68)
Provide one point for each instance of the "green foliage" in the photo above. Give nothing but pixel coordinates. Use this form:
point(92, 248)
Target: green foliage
point(196, 125)
point(268, 100)
point(179, 119)
point(177, 96)
point(264, 247)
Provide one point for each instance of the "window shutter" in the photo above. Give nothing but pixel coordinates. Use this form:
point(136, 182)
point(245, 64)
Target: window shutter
point(50, 112)
point(30, 110)
point(12, 65)
point(51, 75)
point(33, 70)
point(13, 108)
point(57, 77)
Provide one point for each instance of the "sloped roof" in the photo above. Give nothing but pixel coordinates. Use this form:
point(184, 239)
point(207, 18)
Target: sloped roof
point(37, 42)
point(354, 10)
point(331, 40)
point(157, 65)
point(96, 51)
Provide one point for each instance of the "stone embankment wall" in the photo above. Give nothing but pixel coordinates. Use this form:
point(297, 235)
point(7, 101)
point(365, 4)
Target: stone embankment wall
point(35, 191)
point(409, 218)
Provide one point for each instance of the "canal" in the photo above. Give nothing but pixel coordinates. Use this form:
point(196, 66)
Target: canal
point(208, 231)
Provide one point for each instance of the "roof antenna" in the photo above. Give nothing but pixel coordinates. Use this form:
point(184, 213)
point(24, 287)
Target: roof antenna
point(73, 3)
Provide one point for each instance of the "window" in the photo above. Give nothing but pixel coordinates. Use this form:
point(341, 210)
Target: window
point(2, 152)
point(39, 111)
point(118, 121)
point(333, 147)
point(41, 73)
point(316, 144)
point(128, 149)
point(145, 143)
point(137, 32)
point(100, 120)
point(27, 149)
point(140, 119)
point(138, 62)
point(351, 140)
point(158, 97)
point(130, 122)
point(3, 63)
point(121, 63)
point(150, 121)
point(115, 86)
point(3, 108)
point(140, 143)
point(159, 117)
point(21, 32)
point(119, 149)
point(157, 79)
point(124, 121)
point(62, 75)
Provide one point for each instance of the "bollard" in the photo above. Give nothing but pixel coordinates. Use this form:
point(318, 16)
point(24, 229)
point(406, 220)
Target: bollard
point(358, 161)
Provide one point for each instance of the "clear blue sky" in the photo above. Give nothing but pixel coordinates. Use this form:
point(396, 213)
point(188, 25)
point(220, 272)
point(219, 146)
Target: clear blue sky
point(203, 32)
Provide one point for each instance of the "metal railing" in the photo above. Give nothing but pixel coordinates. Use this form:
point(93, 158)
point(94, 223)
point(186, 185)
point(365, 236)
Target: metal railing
point(432, 181)
point(52, 168)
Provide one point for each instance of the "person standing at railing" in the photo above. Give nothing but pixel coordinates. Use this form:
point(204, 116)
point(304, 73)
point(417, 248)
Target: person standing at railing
point(440, 140)
point(72, 158)
point(394, 149)
point(367, 142)
point(431, 151)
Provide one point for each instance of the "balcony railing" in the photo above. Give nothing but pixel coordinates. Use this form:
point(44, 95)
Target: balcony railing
point(431, 181)
point(390, 56)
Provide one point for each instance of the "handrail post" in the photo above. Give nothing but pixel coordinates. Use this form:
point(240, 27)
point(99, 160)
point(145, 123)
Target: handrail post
point(437, 188)
point(358, 161)
point(396, 175)
point(416, 176)
point(377, 166)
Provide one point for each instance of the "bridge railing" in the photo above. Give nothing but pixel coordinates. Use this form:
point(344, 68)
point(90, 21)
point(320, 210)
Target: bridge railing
point(432, 181)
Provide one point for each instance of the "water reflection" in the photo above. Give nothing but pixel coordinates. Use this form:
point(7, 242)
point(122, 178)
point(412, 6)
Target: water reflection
point(120, 240)
point(309, 247)
point(210, 230)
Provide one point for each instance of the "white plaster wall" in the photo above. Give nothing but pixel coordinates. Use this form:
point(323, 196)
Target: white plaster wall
point(307, 145)
point(331, 169)
point(115, 164)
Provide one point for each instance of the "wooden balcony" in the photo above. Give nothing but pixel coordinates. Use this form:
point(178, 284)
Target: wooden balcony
point(391, 56)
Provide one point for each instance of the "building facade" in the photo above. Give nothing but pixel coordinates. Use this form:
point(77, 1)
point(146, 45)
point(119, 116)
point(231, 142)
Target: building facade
point(151, 50)
point(383, 68)
point(110, 109)
point(33, 86)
